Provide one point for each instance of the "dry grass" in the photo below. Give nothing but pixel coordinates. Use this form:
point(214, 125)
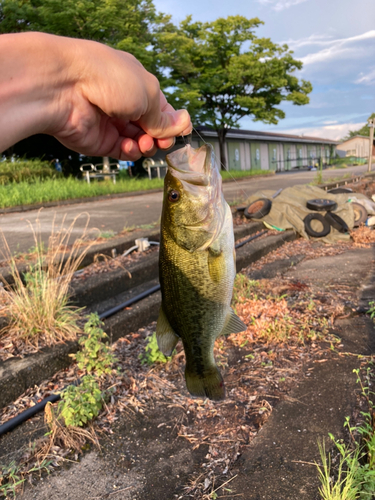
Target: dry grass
point(38, 305)
point(363, 236)
point(65, 437)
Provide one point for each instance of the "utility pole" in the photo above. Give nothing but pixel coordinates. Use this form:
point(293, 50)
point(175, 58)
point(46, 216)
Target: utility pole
point(371, 124)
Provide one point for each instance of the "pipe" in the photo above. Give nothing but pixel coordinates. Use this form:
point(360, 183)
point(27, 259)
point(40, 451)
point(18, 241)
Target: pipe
point(129, 302)
point(25, 415)
point(130, 250)
point(30, 412)
point(249, 239)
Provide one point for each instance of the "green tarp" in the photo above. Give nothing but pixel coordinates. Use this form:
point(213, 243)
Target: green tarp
point(289, 209)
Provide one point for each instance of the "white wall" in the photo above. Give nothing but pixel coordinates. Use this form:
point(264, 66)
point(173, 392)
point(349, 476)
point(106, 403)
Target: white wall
point(264, 163)
point(280, 156)
point(293, 155)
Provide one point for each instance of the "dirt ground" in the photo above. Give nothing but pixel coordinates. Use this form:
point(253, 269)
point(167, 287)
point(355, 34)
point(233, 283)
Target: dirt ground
point(285, 391)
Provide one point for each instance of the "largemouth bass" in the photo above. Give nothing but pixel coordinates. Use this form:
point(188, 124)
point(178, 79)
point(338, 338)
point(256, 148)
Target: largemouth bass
point(197, 267)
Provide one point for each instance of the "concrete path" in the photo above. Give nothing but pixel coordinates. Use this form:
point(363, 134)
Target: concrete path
point(117, 213)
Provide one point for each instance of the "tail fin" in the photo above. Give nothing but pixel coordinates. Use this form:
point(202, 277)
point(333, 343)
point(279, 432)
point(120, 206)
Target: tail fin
point(209, 385)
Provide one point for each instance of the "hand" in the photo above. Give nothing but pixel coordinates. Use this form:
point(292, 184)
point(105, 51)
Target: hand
point(92, 98)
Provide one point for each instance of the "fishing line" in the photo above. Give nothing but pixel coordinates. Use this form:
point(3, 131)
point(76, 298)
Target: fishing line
point(222, 165)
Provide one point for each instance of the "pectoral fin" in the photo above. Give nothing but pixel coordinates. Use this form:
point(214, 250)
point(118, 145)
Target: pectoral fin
point(165, 335)
point(233, 324)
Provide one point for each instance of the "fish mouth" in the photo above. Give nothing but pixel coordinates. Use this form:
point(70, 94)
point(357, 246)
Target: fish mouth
point(191, 165)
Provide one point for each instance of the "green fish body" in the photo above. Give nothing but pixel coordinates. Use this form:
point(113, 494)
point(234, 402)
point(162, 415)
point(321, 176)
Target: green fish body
point(197, 267)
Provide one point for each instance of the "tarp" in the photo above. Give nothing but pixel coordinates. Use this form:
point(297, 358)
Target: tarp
point(289, 209)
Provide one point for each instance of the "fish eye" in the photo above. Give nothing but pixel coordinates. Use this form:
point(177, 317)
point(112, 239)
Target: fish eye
point(173, 195)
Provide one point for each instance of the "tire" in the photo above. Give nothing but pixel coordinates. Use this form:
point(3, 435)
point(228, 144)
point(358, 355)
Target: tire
point(258, 209)
point(322, 204)
point(310, 231)
point(360, 214)
point(337, 222)
point(340, 190)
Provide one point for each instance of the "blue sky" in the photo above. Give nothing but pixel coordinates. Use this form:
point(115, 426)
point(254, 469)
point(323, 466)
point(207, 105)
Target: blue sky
point(335, 39)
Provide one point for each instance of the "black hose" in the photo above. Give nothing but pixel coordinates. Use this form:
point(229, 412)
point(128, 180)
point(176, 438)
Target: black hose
point(25, 415)
point(129, 302)
point(30, 412)
point(249, 239)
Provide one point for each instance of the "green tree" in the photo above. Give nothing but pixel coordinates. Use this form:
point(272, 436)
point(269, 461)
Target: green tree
point(123, 25)
point(365, 130)
point(220, 71)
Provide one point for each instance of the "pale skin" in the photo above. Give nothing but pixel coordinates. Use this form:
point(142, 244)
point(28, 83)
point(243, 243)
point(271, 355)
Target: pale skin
point(95, 100)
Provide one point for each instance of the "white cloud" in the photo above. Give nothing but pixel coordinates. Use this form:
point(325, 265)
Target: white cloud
point(335, 48)
point(279, 5)
point(329, 122)
point(367, 79)
point(333, 132)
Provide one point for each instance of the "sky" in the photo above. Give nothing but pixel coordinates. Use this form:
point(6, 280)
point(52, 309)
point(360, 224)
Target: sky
point(335, 40)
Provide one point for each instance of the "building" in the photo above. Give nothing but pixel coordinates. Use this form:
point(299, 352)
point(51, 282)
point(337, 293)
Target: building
point(357, 146)
point(247, 149)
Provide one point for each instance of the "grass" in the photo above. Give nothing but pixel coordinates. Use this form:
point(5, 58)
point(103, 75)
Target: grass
point(28, 171)
point(244, 173)
point(38, 305)
point(354, 476)
point(25, 193)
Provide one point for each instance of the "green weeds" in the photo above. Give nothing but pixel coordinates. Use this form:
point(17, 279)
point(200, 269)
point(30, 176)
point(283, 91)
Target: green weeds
point(26, 171)
point(244, 288)
point(80, 404)
point(95, 355)
point(355, 474)
point(371, 311)
point(152, 354)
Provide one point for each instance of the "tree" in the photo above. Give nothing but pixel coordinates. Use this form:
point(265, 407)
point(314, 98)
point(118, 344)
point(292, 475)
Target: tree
point(122, 25)
point(365, 130)
point(221, 72)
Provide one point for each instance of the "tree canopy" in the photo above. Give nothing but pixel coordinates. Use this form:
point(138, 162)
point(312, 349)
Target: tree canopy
point(123, 25)
point(221, 72)
point(365, 130)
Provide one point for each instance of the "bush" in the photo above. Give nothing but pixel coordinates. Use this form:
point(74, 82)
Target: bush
point(26, 171)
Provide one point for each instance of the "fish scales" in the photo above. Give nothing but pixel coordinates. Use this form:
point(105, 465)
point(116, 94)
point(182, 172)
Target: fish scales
point(197, 267)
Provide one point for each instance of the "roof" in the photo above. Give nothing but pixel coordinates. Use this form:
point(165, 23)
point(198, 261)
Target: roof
point(355, 137)
point(264, 136)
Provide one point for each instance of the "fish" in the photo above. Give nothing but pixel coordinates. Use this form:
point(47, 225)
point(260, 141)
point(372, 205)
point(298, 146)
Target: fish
point(197, 267)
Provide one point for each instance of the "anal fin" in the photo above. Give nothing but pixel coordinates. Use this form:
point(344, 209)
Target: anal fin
point(165, 335)
point(233, 324)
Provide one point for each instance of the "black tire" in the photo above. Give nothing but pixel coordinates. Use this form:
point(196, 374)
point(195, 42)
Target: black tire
point(337, 222)
point(360, 214)
point(310, 231)
point(258, 209)
point(340, 190)
point(322, 204)
point(241, 208)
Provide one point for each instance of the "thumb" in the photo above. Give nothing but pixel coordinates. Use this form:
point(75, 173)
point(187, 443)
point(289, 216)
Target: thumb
point(163, 122)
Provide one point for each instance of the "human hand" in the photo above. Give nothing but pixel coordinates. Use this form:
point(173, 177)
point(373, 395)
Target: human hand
point(92, 98)
point(117, 108)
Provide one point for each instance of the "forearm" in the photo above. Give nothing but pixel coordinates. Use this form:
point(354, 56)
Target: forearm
point(33, 77)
